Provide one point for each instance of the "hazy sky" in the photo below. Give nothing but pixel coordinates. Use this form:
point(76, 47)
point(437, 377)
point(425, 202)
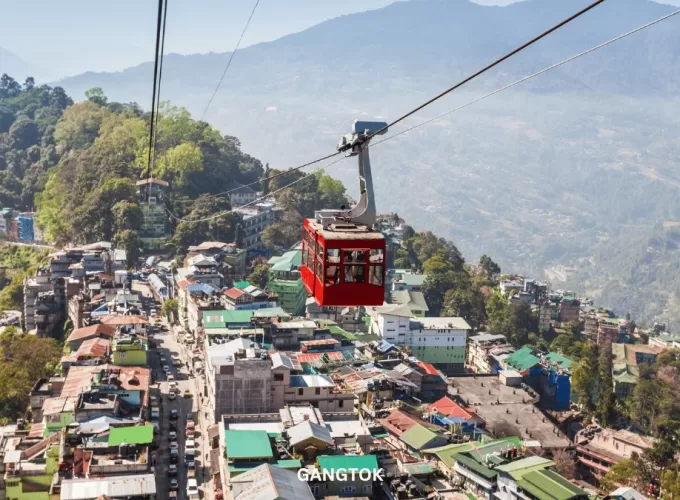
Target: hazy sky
point(69, 37)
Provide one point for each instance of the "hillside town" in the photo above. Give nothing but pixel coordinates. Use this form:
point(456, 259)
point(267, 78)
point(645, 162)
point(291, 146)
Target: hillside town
point(184, 377)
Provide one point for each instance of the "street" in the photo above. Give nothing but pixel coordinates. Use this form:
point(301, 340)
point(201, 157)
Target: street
point(168, 346)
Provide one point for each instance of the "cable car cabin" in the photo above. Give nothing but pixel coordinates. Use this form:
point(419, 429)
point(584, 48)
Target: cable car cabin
point(343, 265)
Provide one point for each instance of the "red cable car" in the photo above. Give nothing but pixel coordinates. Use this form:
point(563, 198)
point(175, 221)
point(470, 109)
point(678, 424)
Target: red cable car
point(343, 257)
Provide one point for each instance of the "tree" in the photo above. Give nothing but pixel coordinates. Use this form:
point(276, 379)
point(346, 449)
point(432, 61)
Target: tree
point(622, 474)
point(574, 329)
point(564, 464)
point(127, 215)
point(584, 376)
point(131, 242)
point(514, 320)
point(652, 403)
point(260, 275)
point(12, 296)
point(562, 344)
point(408, 232)
point(489, 266)
point(605, 398)
point(468, 303)
point(24, 133)
point(96, 95)
point(80, 124)
point(170, 309)
point(274, 238)
point(670, 484)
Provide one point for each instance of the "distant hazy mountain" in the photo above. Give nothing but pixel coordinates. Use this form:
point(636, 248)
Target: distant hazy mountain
point(15, 66)
point(541, 176)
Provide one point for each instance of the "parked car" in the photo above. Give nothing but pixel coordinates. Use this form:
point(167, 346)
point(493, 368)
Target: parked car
point(172, 435)
point(192, 488)
point(174, 414)
point(174, 445)
point(190, 444)
point(187, 393)
point(174, 456)
point(172, 470)
point(174, 485)
point(171, 395)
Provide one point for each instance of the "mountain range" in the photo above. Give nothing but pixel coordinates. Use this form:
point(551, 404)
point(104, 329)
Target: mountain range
point(558, 177)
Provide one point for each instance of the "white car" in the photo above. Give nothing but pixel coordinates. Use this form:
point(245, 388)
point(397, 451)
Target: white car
point(172, 396)
point(172, 435)
point(174, 445)
point(192, 488)
point(190, 444)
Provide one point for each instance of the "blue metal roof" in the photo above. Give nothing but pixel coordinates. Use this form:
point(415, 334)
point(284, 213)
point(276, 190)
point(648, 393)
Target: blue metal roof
point(385, 346)
point(201, 287)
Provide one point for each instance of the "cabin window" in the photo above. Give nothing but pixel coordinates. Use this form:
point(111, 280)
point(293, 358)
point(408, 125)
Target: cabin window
point(376, 275)
point(332, 266)
point(377, 256)
point(355, 256)
point(319, 270)
point(304, 250)
point(355, 274)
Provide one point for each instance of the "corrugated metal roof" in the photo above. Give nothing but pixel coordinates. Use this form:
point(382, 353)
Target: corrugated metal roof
point(311, 381)
point(348, 462)
point(113, 487)
point(418, 437)
point(548, 485)
point(269, 482)
point(248, 444)
point(307, 430)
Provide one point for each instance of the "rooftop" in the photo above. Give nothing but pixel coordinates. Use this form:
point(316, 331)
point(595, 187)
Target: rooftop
point(92, 330)
point(286, 262)
point(332, 463)
point(308, 430)
point(443, 322)
point(269, 482)
point(415, 300)
point(507, 411)
point(220, 319)
point(548, 485)
point(123, 320)
point(311, 381)
point(140, 434)
point(111, 487)
point(152, 180)
point(248, 444)
point(81, 378)
point(418, 436)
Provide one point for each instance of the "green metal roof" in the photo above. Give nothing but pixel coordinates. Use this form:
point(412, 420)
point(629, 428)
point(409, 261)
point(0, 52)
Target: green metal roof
point(518, 468)
point(332, 463)
point(241, 285)
point(418, 436)
point(286, 262)
point(336, 330)
point(248, 444)
point(289, 464)
point(140, 434)
point(522, 359)
point(548, 485)
point(417, 469)
point(222, 319)
point(562, 361)
point(470, 463)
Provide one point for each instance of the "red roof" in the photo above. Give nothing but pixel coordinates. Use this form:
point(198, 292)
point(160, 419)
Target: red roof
point(123, 320)
point(448, 407)
point(131, 378)
point(313, 357)
point(94, 347)
point(91, 331)
point(399, 422)
point(234, 293)
point(185, 283)
point(427, 368)
point(37, 430)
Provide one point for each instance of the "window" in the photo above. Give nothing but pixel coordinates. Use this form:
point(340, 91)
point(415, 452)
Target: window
point(300, 391)
point(332, 266)
point(278, 377)
point(355, 256)
point(317, 391)
point(319, 270)
point(355, 274)
point(376, 256)
point(348, 489)
point(376, 275)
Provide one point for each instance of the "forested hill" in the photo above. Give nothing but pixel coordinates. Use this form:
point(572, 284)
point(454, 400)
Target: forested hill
point(78, 165)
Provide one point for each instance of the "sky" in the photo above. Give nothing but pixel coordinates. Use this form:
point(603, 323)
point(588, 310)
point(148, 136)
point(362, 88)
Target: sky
point(69, 37)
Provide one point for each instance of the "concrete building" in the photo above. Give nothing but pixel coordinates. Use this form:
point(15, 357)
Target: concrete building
point(285, 282)
point(154, 232)
point(129, 350)
point(597, 449)
point(439, 341)
point(250, 297)
point(289, 334)
point(570, 309)
point(241, 195)
point(483, 351)
point(255, 219)
point(238, 378)
point(413, 299)
point(626, 362)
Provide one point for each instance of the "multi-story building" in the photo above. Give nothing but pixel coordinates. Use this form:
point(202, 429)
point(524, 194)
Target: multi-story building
point(597, 449)
point(255, 219)
point(238, 378)
point(439, 341)
point(241, 195)
point(289, 334)
point(483, 350)
point(249, 297)
point(154, 232)
point(33, 287)
point(129, 350)
point(285, 282)
point(570, 309)
point(626, 361)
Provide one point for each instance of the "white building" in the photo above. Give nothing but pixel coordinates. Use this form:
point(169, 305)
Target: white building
point(439, 341)
point(255, 219)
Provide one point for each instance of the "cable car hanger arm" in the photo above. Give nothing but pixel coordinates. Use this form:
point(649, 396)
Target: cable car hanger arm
point(356, 144)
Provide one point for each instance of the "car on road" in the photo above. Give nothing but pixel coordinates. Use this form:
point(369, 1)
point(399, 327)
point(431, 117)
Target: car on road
point(190, 461)
point(172, 385)
point(190, 425)
point(166, 368)
point(172, 470)
point(172, 396)
point(172, 435)
point(173, 426)
point(174, 456)
point(174, 445)
point(190, 416)
point(163, 359)
point(176, 362)
point(174, 414)
point(174, 484)
point(190, 444)
point(171, 378)
point(187, 393)
point(192, 488)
